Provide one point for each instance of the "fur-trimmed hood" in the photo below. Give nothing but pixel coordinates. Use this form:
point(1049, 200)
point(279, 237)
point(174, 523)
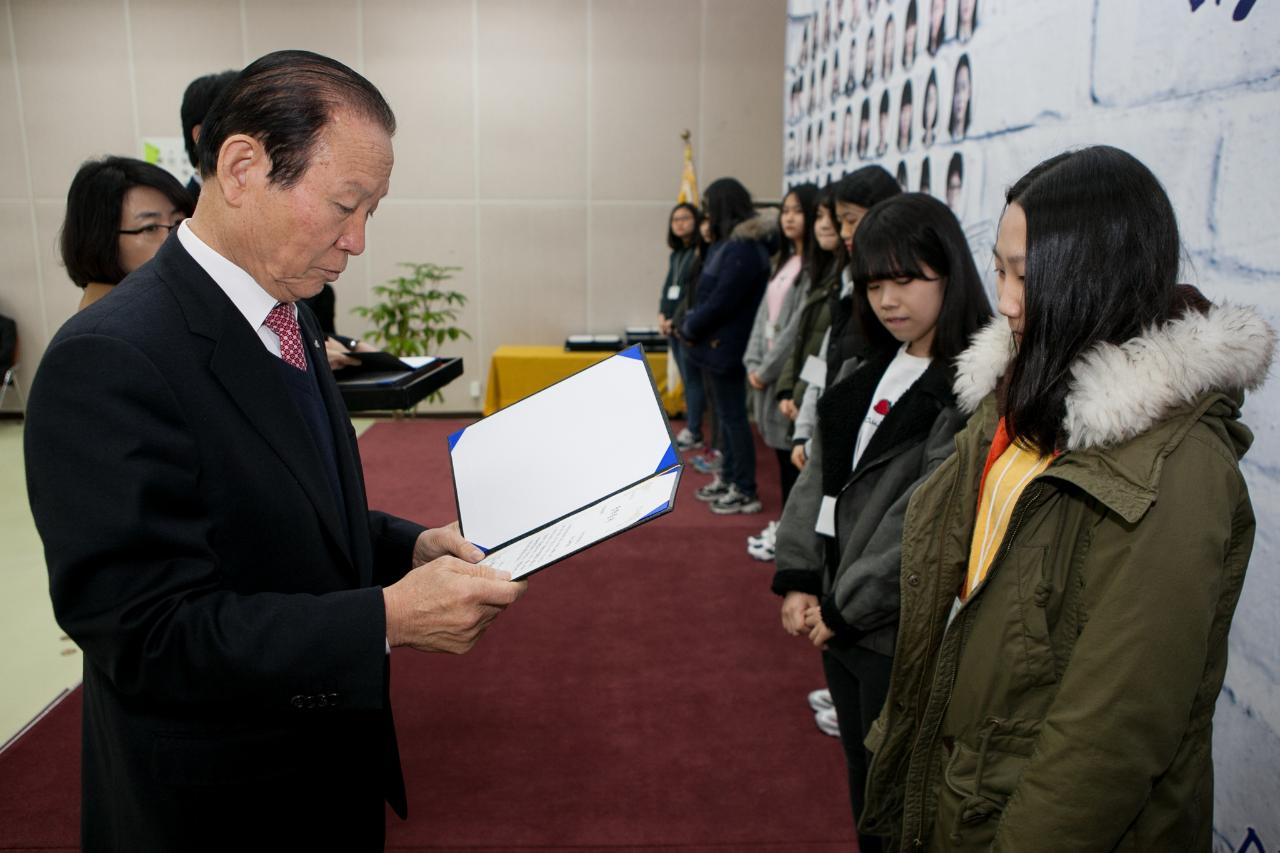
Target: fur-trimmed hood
point(761, 228)
point(1119, 392)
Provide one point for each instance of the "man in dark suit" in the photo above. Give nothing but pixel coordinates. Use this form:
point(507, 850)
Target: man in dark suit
point(198, 489)
point(196, 101)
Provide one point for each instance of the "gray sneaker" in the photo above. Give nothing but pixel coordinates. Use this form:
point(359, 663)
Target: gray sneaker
point(686, 440)
point(712, 491)
point(735, 501)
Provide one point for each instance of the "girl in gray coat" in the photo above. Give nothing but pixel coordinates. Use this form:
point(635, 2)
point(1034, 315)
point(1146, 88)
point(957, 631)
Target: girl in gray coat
point(773, 333)
point(881, 432)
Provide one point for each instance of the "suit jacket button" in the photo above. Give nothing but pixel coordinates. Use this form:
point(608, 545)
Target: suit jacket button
point(322, 701)
point(913, 579)
point(333, 700)
point(297, 702)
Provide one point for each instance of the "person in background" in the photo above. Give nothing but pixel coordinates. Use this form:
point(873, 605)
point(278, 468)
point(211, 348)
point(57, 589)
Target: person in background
point(822, 276)
point(119, 212)
point(961, 100)
point(926, 176)
point(711, 458)
point(905, 115)
point(196, 100)
point(869, 60)
point(836, 342)
point(881, 432)
point(967, 18)
point(864, 129)
point(937, 26)
point(955, 182)
point(909, 31)
point(773, 334)
point(890, 43)
point(718, 326)
point(1071, 572)
point(883, 145)
point(929, 115)
point(684, 241)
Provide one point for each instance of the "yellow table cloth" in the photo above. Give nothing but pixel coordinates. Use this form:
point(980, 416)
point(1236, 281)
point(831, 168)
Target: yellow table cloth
point(515, 372)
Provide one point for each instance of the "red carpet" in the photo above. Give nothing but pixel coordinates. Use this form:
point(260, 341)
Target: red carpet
point(642, 696)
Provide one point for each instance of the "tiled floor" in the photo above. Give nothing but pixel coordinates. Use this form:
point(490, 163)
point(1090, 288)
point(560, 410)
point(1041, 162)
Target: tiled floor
point(37, 661)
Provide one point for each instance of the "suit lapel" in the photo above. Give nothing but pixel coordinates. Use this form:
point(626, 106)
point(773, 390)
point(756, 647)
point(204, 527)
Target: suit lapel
point(248, 373)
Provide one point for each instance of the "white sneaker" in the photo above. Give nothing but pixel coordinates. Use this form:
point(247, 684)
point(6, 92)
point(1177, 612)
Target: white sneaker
point(820, 700)
point(762, 551)
point(769, 535)
point(827, 722)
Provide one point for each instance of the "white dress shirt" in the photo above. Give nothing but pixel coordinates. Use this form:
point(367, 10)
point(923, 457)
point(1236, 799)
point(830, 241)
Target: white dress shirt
point(241, 288)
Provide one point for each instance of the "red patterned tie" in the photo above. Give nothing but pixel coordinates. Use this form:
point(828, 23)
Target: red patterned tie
point(282, 321)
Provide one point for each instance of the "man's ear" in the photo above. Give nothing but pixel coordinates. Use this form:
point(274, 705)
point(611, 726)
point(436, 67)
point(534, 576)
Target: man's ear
point(242, 161)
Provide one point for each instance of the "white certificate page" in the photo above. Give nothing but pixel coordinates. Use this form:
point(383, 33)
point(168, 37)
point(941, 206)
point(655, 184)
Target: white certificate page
point(586, 527)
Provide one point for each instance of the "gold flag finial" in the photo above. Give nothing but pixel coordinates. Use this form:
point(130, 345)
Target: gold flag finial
point(688, 178)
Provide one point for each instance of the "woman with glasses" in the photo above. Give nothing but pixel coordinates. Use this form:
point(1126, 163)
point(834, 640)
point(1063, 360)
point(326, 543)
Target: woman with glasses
point(119, 211)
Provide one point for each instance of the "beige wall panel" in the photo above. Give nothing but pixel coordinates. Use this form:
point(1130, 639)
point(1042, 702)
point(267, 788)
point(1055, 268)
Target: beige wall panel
point(628, 264)
point(533, 102)
point(742, 102)
point(174, 43)
point(644, 92)
point(20, 288)
point(440, 234)
point(329, 27)
point(431, 91)
point(13, 164)
point(73, 67)
point(533, 273)
point(61, 297)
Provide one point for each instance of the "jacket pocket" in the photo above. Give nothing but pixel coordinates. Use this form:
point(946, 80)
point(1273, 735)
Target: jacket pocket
point(1034, 592)
point(978, 782)
point(225, 758)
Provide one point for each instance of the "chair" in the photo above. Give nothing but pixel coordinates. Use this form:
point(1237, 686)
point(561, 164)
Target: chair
point(9, 360)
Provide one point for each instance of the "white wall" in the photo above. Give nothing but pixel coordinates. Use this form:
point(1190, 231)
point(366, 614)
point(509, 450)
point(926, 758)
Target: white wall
point(1196, 96)
point(538, 144)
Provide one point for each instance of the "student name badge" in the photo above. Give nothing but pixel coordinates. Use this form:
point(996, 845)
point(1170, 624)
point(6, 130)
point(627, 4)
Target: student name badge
point(567, 467)
point(826, 523)
point(673, 293)
point(814, 371)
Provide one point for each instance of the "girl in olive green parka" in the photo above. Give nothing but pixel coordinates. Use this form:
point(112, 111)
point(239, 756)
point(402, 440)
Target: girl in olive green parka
point(1061, 651)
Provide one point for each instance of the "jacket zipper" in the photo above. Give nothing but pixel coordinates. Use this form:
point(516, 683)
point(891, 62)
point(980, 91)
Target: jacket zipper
point(1021, 509)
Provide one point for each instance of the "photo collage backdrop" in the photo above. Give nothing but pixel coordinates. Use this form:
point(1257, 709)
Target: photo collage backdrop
point(886, 82)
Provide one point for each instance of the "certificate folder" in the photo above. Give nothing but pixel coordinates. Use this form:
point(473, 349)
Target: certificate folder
point(566, 467)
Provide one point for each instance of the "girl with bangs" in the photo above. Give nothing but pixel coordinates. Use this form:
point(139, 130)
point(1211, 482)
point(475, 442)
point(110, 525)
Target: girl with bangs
point(881, 431)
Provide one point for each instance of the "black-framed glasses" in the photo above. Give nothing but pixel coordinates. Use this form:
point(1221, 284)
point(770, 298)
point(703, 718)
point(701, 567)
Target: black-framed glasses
point(152, 230)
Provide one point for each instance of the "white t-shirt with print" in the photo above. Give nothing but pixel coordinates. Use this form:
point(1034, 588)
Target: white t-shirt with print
point(901, 374)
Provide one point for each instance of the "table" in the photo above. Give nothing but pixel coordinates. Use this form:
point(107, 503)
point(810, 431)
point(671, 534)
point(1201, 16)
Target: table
point(403, 393)
point(515, 372)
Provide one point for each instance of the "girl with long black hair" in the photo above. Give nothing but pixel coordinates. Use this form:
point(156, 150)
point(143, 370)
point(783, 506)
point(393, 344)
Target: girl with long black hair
point(1070, 573)
point(718, 326)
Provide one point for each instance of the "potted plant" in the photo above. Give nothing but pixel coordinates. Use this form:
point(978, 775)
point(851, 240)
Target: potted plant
point(414, 314)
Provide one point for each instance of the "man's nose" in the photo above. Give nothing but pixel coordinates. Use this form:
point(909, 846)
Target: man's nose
point(351, 240)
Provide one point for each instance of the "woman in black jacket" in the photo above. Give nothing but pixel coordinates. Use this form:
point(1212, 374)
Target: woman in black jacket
point(685, 242)
point(718, 326)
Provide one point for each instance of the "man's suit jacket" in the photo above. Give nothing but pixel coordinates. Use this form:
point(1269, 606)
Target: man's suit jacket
point(234, 636)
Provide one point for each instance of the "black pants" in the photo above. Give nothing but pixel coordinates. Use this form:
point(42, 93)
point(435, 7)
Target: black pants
point(859, 682)
point(787, 472)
